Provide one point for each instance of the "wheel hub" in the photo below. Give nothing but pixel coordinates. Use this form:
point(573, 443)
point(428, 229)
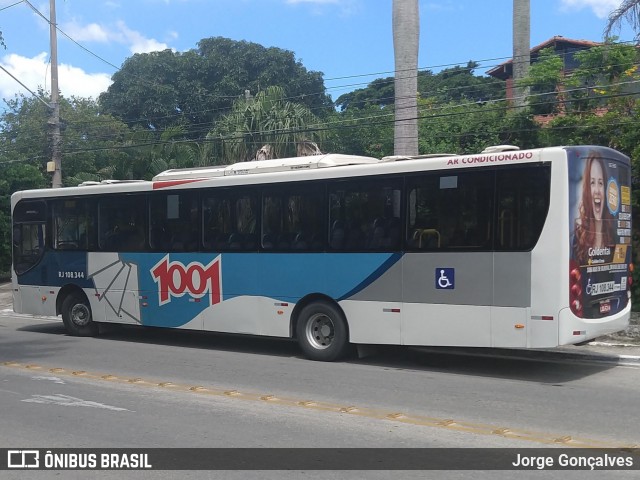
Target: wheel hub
point(80, 315)
point(320, 331)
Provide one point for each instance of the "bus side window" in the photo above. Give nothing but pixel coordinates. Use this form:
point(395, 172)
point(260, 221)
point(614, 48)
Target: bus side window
point(245, 236)
point(522, 206)
point(293, 219)
point(423, 232)
point(272, 222)
point(174, 222)
point(216, 226)
point(74, 224)
point(365, 215)
point(450, 211)
point(229, 221)
point(122, 223)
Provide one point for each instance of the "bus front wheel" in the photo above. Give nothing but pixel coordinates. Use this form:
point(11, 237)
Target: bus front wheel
point(77, 317)
point(322, 332)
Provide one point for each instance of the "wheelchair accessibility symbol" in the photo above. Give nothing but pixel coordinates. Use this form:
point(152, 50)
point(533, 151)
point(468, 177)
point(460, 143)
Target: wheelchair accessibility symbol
point(445, 278)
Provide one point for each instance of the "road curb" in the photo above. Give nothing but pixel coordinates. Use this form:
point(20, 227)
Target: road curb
point(616, 359)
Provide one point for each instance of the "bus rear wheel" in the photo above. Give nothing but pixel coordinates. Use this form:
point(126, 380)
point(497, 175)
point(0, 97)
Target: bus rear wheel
point(77, 316)
point(322, 332)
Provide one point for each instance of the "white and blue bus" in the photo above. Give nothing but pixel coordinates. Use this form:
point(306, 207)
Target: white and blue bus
point(507, 248)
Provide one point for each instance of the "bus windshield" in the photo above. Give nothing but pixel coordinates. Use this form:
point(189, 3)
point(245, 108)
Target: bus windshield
point(29, 219)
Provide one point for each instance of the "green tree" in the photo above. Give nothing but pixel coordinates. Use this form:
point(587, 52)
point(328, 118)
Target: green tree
point(460, 128)
point(90, 141)
point(545, 80)
point(628, 10)
point(455, 84)
point(268, 119)
point(145, 91)
point(361, 131)
point(24, 133)
point(460, 84)
point(150, 154)
point(380, 92)
point(195, 88)
point(603, 74)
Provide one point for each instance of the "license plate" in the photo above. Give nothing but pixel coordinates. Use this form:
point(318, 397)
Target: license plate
point(605, 307)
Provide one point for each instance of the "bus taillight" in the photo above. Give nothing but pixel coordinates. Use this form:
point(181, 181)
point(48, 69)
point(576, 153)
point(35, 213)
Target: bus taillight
point(575, 289)
point(575, 275)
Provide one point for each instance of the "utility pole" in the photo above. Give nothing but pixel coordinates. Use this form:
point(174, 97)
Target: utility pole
point(54, 120)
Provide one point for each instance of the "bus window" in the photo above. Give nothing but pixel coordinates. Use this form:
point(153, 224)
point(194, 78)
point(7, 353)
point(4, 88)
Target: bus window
point(216, 221)
point(74, 225)
point(245, 236)
point(522, 206)
point(174, 222)
point(29, 219)
point(273, 230)
point(122, 223)
point(293, 220)
point(229, 221)
point(450, 211)
point(365, 216)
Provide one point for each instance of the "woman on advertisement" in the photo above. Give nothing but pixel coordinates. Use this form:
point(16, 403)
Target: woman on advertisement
point(593, 228)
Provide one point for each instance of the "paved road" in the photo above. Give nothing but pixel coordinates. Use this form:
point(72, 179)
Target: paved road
point(137, 387)
point(540, 394)
point(140, 387)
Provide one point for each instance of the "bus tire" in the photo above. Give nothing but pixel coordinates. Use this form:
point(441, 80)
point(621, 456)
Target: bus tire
point(77, 316)
point(322, 332)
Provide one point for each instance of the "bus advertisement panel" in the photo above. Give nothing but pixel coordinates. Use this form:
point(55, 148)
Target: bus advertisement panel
point(600, 232)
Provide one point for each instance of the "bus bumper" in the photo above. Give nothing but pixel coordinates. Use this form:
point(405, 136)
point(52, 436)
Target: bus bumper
point(574, 330)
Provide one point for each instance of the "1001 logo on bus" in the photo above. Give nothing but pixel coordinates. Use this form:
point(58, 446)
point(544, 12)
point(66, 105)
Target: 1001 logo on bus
point(175, 279)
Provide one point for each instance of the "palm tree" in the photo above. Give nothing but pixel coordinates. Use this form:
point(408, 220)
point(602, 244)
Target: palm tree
point(521, 40)
point(268, 119)
point(152, 154)
point(406, 34)
point(628, 10)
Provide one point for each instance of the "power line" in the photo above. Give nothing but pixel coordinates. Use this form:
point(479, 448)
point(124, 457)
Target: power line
point(204, 112)
point(318, 128)
point(193, 128)
point(361, 122)
point(24, 86)
point(329, 126)
point(12, 5)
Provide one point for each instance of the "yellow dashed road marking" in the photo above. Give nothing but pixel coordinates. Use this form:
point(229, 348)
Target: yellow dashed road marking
point(372, 413)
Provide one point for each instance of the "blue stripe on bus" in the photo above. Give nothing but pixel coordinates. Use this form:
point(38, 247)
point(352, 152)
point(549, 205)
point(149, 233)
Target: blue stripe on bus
point(285, 277)
point(392, 260)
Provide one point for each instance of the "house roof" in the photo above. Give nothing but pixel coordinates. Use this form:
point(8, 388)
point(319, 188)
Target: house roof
point(503, 71)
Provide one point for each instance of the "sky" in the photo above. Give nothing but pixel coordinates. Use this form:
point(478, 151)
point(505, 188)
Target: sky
point(349, 41)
